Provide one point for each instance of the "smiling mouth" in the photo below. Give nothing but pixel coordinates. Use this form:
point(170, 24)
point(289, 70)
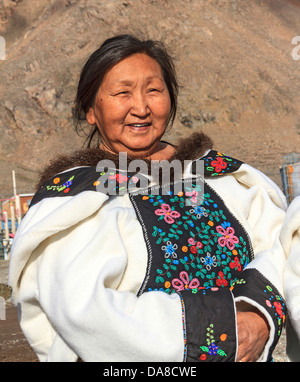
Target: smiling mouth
point(139, 125)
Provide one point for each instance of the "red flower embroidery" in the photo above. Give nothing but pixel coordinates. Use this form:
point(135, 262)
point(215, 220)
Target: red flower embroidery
point(193, 249)
point(235, 264)
point(219, 164)
point(120, 178)
point(278, 308)
point(169, 215)
point(221, 281)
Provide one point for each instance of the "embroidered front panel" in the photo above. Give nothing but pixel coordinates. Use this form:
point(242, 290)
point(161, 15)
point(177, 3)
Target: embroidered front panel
point(209, 326)
point(254, 286)
point(192, 244)
point(70, 183)
point(114, 182)
point(216, 164)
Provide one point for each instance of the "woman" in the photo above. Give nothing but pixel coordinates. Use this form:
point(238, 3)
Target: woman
point(290, 238)
point(116, 265)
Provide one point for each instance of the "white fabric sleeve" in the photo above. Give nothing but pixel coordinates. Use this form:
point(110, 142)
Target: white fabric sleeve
point(260, 206)
point(80, 284)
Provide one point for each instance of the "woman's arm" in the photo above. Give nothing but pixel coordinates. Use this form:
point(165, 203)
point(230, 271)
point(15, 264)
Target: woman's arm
point(260, 207)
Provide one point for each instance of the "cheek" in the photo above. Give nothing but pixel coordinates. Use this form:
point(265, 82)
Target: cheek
point(163, 108)
point(110, 114)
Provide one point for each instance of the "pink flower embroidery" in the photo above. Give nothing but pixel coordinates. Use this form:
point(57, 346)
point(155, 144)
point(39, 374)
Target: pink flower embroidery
point(193, 195)
point(169, 215)
point(219, 164)
point(184, 282)
point(227, 237)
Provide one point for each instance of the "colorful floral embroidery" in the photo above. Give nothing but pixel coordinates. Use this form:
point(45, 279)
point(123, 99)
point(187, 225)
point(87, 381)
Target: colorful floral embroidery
point(212, 348)
point(265, 294)
point(235, 264)
point(116, 182)
point(63, 187)
point(193, 195)
point(221, 281)
point(198, 211)
point(170, 249)
point(70, 183)
point(168, 214)
point(216, 164)
point(119, 177)
point(237, 282)
point(219, 164)
point(276, 302)
point(227, 237)
point(184, 282)
point(202, 246)
point(209, 261)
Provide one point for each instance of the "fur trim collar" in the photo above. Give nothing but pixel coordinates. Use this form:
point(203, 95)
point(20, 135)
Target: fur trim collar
point(190, 148)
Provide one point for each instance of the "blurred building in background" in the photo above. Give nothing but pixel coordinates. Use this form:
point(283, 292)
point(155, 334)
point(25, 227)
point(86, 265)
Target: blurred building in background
point(290, 175)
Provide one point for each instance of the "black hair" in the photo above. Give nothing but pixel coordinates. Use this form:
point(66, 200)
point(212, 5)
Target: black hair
point(111, 52)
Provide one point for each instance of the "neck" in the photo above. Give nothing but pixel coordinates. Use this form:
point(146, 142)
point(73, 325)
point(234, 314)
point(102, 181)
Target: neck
point(163, 151)
point(190, 148)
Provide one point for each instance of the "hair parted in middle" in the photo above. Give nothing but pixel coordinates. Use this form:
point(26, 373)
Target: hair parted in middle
point(111, 52)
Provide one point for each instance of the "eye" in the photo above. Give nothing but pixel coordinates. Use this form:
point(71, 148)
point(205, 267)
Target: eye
point(123, 92)
point(153, 90)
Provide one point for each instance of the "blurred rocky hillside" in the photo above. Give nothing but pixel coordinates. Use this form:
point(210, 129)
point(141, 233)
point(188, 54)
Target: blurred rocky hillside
point(239, 82)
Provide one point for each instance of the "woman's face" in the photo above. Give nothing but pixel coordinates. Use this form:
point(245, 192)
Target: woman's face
point(132, 106)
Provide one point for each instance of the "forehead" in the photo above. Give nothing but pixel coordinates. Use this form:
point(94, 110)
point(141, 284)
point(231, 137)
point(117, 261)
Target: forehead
point(137, 66)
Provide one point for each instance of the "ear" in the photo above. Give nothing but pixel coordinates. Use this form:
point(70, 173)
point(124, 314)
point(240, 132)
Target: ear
point(90, 117)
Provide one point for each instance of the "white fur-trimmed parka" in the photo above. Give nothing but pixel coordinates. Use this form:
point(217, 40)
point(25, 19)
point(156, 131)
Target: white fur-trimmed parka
point(148, 274)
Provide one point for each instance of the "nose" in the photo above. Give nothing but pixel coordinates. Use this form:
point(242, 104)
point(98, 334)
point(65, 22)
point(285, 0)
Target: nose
point(140, 107)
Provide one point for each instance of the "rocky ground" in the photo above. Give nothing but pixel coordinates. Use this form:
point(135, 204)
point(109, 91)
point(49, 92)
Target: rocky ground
point(13, 344)
point(15, 348)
